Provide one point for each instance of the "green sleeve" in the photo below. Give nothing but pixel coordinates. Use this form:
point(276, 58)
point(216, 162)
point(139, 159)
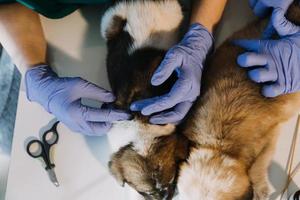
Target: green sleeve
point(54, 8)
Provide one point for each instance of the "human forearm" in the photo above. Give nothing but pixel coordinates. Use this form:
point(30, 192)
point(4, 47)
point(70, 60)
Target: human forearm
point(207, 12)
point(22, 36)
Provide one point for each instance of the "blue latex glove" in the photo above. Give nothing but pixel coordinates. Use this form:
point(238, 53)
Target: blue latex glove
point(262, 7)
point(259, 7)
point(279, 59)
point(62, 97)
point(187, 60)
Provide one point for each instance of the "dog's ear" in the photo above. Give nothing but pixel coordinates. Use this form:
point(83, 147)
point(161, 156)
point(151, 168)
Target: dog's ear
point(127, 166)
point(113, 28)
point(182, 147)
point(112, 23)
point(117, 172)
point(116, 27)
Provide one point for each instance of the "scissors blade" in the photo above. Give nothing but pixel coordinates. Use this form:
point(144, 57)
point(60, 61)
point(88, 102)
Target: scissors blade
point(52, 176)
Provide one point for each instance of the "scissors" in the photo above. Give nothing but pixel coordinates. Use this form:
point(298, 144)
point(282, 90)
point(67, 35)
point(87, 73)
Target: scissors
point(41, 149)
point(295, 196)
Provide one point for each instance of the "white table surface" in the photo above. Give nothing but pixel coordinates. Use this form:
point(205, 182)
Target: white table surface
point(76, 49)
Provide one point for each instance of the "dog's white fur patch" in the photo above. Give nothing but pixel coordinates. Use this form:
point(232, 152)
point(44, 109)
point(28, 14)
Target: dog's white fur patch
point(201, 180)
point(139, 134)
point(147, 134)
point(149, 23)
point(122, 133)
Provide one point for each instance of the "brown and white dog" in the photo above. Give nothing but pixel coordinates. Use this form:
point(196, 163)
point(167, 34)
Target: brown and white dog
point(138, 34)
point(233, 128)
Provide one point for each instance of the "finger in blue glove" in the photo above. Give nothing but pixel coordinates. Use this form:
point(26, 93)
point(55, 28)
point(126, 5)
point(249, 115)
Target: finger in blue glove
point(279, 61)
point(259, 8)
point(62, 97)
point(282, 25)
point(187, 60)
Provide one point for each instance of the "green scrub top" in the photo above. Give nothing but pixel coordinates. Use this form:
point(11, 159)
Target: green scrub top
point(54, 8)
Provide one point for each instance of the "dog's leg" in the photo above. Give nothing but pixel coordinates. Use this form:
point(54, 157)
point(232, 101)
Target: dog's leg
point(288, 106)
point(258, 172)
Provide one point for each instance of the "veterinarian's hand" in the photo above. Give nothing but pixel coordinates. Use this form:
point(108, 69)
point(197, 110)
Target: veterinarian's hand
point(62, 97)
point(187, 60)
point(279, 59)
point(262, 7)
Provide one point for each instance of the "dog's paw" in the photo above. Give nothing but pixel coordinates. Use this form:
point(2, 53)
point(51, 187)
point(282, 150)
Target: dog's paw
point(261, 192)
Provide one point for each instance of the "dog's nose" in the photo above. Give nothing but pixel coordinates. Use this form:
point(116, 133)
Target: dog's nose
point(167, 193)
point(164, 195)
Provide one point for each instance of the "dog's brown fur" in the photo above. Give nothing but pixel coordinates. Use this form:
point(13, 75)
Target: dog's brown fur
point(154, 176)
point(233, 121)
point(150, 164)
point(232, 127)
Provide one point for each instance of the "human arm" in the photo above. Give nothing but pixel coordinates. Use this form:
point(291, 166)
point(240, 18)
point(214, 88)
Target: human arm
point(187, 59)
point(22, 36)
point(208, 12)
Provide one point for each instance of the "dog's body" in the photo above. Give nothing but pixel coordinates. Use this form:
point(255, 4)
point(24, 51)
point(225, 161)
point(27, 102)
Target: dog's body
point(138, 34)
point(233, 128)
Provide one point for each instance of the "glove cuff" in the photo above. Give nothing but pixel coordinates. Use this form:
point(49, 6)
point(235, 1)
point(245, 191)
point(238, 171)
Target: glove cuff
point(199, 37)
point(36, 79)
point(207, 39)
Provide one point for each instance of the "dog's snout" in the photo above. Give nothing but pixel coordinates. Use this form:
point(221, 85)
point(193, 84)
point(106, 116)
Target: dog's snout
point(159, 194)
point(167, 193)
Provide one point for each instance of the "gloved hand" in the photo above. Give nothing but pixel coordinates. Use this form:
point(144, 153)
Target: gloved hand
point(187, 60)
point(279, 59)
point(262, 7)
point(62, 97)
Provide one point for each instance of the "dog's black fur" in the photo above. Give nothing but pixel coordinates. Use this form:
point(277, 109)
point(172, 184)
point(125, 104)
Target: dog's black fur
point(130, 74)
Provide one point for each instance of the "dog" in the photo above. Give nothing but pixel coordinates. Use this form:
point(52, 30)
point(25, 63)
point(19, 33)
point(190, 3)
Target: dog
point(233, 128)
point(138, 34)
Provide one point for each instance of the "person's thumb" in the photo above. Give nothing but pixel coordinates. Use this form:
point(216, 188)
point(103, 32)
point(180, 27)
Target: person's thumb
point(282, 25)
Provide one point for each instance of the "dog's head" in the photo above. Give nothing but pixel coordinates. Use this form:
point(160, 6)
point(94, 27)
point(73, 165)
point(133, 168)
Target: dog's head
point(210, 175)
point(138, 34)
point(132, 81)
point(153, 176)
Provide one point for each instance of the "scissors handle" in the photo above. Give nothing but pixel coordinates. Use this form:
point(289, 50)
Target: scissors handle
point(36, 149)
point(50, 138)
